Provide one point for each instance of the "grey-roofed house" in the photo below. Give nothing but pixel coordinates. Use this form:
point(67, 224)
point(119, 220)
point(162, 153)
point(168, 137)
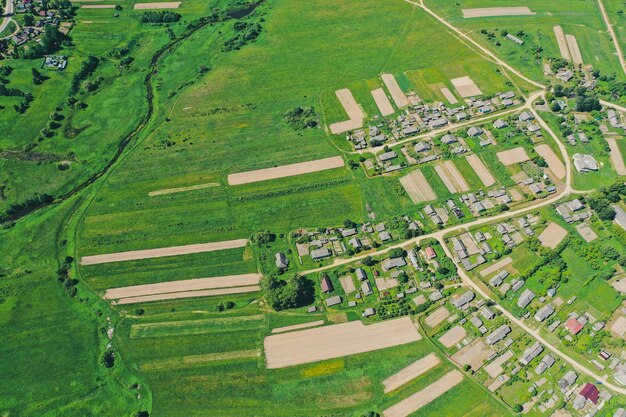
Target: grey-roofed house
point(620, 216)
point(500, 124)
point(545, 364)
point(585, 163)
point(474, 131)
point(526, 116)
point(348, 232)
point(355, 242)
point(531, 353)
point(421, 147)
point(333, 301)
point(568, 379)
point(320, 253)
point(544, 312)
point(281, 260)
point(387, 156)
point(487, 313)
point(384, 236)
point(391, 263)
point(448, 139)
point(498, 334)
point(360, 274)
point(435, 296)
point(465, 298)
point(440, 122)
point(366, 287)
point(525, 299)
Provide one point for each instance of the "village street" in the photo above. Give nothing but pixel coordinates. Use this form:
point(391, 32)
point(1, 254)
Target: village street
point(8, 13)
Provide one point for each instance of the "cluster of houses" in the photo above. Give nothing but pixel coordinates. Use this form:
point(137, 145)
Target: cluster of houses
point(573, 211)
point(585, 163)
point(55, 62)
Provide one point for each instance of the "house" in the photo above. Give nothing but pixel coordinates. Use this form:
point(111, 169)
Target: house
point(327, 285)
point(588, 393)
point(348, 232)
point(421, 147)
point(573, 325)
point(568, 379)
point(514, 39)
point(384, 236)
point(582, 137)
point(498, 334)
point(500, 124)
point(564, 75)
point(487, 313)
point(391, 263)
point(435, 296)
point(465, 298)
point(366, 287)
point(544, 312)
point(531, 353)
point(387, 156)
point(440, 122)
point(525, 299)
point(368, 312)
point(474, 131)
point(281, 261)
point(620, 412)
point(430, 253)
point(413, 259)
point(620, 216)
point(320, 253)
point(355, 242)
point(526, 117)
point(360, 274)
point(545, 364)
point(333, 301)
point(448, 139)
point(585, 163)
point(533, 128)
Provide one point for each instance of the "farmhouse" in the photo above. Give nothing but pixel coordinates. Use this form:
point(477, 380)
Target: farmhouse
point(588, 393)
point(281, 261)
point(333, 301)
point(474, 131)
point(487, 313)
point(360, 274)
point(525, 299)
point(545, 364)
point(430, 253)
point(531, 353)
point(573, 325)
point(448, 139)
point(498, 334)
point(327, 285)
point(544, 312)
point(387, 156)
point(389, 264)
point(564, 75)
point(320, 253)
point(500, 124)
point(585, 163)
point(568, 379)
point(463, 299)
point(526, 116)
point(366, 287)
point(421, 147)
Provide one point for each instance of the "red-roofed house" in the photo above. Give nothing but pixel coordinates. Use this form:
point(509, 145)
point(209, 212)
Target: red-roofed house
point(326, 285)
point(430, 253)
point(573, 325)
point(590, 392)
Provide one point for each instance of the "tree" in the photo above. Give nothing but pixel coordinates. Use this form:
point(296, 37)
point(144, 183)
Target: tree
point(261, 237)
point(296, 291)
point(29, 20)
point(518, 408)
point(38, 77)
point(349, 224)
point(369, 261)
point(587, 104)
point(397, 253)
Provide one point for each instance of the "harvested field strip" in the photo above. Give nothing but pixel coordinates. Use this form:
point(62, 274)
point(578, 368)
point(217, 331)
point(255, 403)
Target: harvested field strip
point(562, 42)
point(188, 294)
point(473, 355)
point(411, 372)
point(574, 52)
point(286, 171)
point(513, 156)
point(383, 103)
point(97, 6)
point(466, 87)
point(193, 327)
point(481, 170)
point(437, 317)
point(183, 285)
point(554, 163)
point(183, 189)
point(394, 89)
point(328, 342)
point(552, 235)
point(496, 267)
point(417, 187)
point(354, 112)
point(451, 177)
point(453, 336)
point(616, 156)
point(185, 361)
point(449, 96)
point(158, 5)
point(421, 398)
point(497, 11)
point(160, 252)
point(298, 326)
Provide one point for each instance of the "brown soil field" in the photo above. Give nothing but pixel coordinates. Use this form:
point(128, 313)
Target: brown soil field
point(481, 170)
point(347, 283)
point(495, 368)
point(496, 267)
point(513, 156)
point(394, 89)
point(383, 103)
point(466, 87)
point(421, 398)
point(158, 5)
point(417, 187)
point(354, 112)
point(188, 294)
point(285, 171)
point(453, 336)
point(496, 11)
point(160, 252)
point(183, 189)
point(554, 163)
point(298, 326)
point(473, 355)
point(449, 96)
point(562, 42)
point(437, 317)
point(411, 372)
point(552, 235)
point(335, 341)
point(97, 6)
point(616, 156)
point(574, 52)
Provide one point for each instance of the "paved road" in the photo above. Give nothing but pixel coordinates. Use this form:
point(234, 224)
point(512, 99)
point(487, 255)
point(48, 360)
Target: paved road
point(8, 13)
point(605, 16)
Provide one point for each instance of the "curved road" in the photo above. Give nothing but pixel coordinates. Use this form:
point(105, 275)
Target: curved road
point(8, 14)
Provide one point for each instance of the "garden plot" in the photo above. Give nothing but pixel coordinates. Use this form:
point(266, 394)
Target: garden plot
point(421, 398)
point(335, 341)
point(496, 267)
point(354, 112)
point(453, 336)
point(495, 368)
point(586, 232)
point(181, 362)
point(183, 285)
point(620, 285)
point(417, 187)
point(619, 327)
point(449, 96)
point(574, 52)
point(411, 372)
point(167, 191)
point(481, 170)
point(562, 42)
point(347, 283)
point(437, 317)
point(473, 355)
point(616, 156)
point(188, 294)
point(513, 156)
point(286, 171)
point(298, 326)
point(552, 235)
point(98, 6)
point(466, 87)
point(383, 103)
point(497, 11)
point(396, 92)
point(161, 252)
point(451, 177)
point(470, 245)
point(158, 5)
point(554, 163)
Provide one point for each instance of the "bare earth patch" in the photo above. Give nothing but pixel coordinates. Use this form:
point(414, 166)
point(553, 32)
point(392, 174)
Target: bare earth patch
point(221, 356)
point(158, 5)
point(554, 163)
point(473, 355)
point(572, 45)
point(183, 189)
point(183, 285)
point(354, 112)
point(513, 156)
point(586, 232)
point(417, 187)
point(394, 89)
point(160, 252)
point(421, 398)
point(496, 267)
point(437, 317)
point(285, 171)
point(383, 103)
point(496, 11)
point(188, 294)
point(552, 235)
point(619, 327)
point(347, 283)
point(481, 170)
point(453, 336)
point(449, 96)
point(328, 342)
point(298, 326)
point(495, 368)
point(616, 156)
point(466, 87)
point(620, 285)
point(562, 42)
point(411, 372)
point(97, 6)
